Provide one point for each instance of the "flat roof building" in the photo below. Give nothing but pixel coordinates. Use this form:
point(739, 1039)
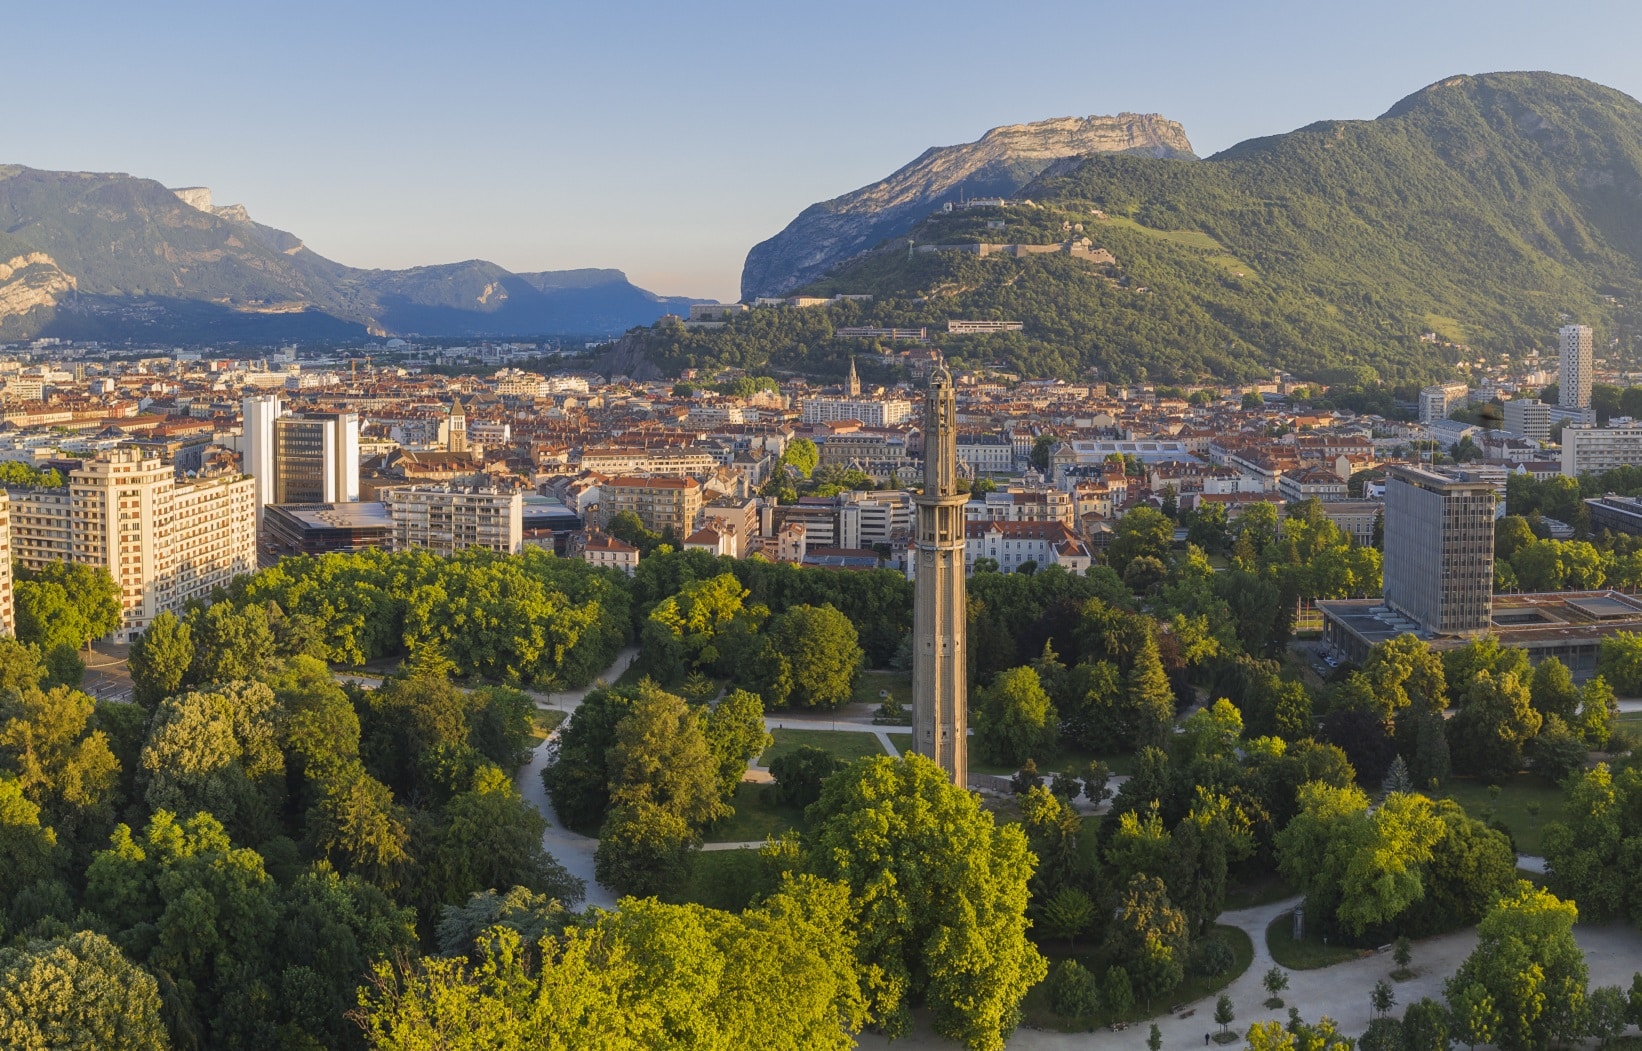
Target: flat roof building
point(1439, 550)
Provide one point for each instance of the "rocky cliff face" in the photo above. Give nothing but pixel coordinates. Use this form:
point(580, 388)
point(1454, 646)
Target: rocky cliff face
point(998, 164)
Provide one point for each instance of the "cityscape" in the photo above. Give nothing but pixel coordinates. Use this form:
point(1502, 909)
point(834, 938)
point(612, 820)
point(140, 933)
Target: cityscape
point(1083, 588)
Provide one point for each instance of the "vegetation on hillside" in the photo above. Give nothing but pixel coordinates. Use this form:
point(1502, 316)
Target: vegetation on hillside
point(1488, 210)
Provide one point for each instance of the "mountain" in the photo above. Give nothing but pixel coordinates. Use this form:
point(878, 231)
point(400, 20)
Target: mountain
point(997, 164)
point(1474, 217)
point(89, 255)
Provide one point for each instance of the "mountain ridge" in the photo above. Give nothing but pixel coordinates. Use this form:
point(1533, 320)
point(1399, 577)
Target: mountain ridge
point(998, 164)
point(136, 256)
point(1474, 217)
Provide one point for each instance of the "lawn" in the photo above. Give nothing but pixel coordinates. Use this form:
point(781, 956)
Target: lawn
point(1309, 953)
point(1517, 794)
point(902, 742)
point(869, 683)
point(547, 720)
point(1058, 759)
point(724, 879)
point(1036, 1014)
point(757, 816)
point(848, 745)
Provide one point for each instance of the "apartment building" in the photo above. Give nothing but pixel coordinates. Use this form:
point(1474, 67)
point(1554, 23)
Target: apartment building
point(1575, 363)
point(1586, 449)
point(611, 553)
point(1440, 399)
point(986, 453)
point(163, 543)
point(1013, 544)
point(446, 519)
point(1023, 505)
point(872, 412)
point(662, 503)
point(676, 462)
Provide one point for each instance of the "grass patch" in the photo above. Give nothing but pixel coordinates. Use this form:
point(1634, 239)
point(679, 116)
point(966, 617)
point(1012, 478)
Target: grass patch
point(757, 816)
point(902, 742)
point(1517, 796)
point(1035, 1011)
point(1214, 252)
point(1307, 954)
point(1059, 759)
point(868, 683)
point(724, 879)
point(848, 745)
point(547, 720)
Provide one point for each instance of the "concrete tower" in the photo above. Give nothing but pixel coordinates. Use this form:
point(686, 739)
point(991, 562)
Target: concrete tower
point(1574, 374)
point(940, 701)
point(852, 383)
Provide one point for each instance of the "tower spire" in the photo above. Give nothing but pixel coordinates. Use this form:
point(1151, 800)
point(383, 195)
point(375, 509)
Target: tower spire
point(940, 693)
point(852, 383)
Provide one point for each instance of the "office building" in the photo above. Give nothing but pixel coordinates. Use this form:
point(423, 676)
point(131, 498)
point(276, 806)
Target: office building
point(299, 458)
point(1593, 449)
point(164, 544)
point(318, 529)
point(449, 518)
point(1574, 373)
point(1528, 418)
point(940, 698)
point(1439, 550)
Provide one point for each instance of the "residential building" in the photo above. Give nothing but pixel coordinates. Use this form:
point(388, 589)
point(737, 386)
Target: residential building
point(1438, 400)
point(1617, 514)
point(669, 461)
point(1575, 366)
point(449, 518)
point(1019, 504)
point(872, 412)
point(8, 609)
point(607, 551)
point(986, 453)
point(1439, 550)
point(1306, 482)
point(717, 539)
point(970, 328)
point(1355, 518)
point(662, 503)
point(1587, 449)
point(1013, 544)
point(164, 544)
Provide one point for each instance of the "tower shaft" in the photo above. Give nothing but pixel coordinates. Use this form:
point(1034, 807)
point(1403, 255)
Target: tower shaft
point(940, 694)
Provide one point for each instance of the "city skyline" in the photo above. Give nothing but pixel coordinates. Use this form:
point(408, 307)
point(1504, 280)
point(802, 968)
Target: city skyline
point(564, 138)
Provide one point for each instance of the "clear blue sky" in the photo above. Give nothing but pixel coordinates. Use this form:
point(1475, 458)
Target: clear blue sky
point(667, 138)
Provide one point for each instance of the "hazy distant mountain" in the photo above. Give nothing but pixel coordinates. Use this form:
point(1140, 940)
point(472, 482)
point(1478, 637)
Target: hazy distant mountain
point(997, 164)
point(1474, 217)
point(108, 255)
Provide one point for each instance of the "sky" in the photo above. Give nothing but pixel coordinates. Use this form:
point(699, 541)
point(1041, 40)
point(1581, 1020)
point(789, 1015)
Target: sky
point(665, 139)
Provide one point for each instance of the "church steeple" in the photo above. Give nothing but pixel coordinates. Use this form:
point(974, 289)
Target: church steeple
point(852, 383)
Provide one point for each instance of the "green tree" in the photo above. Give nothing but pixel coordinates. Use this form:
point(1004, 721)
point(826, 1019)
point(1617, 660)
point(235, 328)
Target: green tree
point(61, 762)
point(799, 774)
point(1073, 991)
point(810, 659)
point(1496, 720)
point(491, 838)
point(940, 891)
point(65, 605)
point(1148, 700)
point(736, 734)
point(1426, 1026)
point(1144, 532)
point(160, 658)
point(1148, 937)
point(1598, 711)
point(802, 455)
point(218, 751)
point(1528, 964)
point(1014, 718)
point(1552, 690)
point(1619, 662)
point(1224, 1015)
point(1068, 914)
point(1275, 982)
point(231, 644)
point(77, 992)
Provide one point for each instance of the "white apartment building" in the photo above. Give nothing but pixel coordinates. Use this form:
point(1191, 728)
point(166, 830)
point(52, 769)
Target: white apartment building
point(1575, 365)
point(1022, 505)
point(872, 412)
point(163, 543)
point(1012, 544)
point(609, 552)
point(8, 609)
point(673, 462)
point(1528, 418)
point(446, 519)
point(1438, 400)
point(882, 517)
point(1586, 448)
